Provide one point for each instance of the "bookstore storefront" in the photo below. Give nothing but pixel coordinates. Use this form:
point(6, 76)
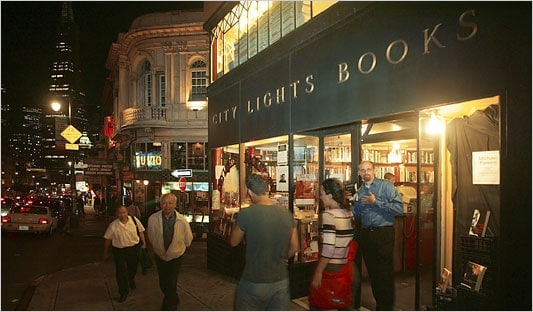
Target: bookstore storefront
point(434, 96)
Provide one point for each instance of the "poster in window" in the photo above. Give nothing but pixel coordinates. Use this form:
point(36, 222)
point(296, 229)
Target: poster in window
point(486, 167)
point(282, 154)
point(305, 189)
point(282, 182)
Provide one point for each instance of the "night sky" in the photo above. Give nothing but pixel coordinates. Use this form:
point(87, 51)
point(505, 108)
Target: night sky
point(29, 33)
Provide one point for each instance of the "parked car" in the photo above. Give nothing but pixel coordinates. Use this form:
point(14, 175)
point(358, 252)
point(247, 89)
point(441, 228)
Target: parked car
point(29, 219)
point(6, 205)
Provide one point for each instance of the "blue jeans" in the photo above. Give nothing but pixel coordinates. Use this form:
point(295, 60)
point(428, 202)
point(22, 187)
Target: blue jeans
point(263, 296)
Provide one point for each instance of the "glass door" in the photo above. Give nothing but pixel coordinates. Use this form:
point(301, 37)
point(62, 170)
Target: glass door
point(305, 179)
point(317, 156)
point(338, 157)
point(391, 144)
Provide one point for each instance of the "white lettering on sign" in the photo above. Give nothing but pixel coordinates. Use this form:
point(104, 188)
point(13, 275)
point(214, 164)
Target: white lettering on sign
point(93, 169)
point(396, 52)
point(148, 161)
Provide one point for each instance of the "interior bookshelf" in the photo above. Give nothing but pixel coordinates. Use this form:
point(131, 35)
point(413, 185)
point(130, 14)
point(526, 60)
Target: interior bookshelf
point(338, 162)
point(401, 162)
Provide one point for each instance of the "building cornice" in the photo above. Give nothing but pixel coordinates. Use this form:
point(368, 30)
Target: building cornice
point(133, 39)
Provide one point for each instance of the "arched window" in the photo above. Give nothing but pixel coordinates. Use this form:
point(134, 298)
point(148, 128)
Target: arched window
point(198, 79)
point(145, 84)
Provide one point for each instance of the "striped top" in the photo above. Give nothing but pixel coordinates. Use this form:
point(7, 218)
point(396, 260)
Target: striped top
point(336, 232)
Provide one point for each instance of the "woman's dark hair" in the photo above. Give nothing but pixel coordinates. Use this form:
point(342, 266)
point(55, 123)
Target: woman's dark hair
point(336, 189)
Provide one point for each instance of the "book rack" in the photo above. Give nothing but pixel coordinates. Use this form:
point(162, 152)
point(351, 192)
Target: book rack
point(482, 250)
point(446, 301)
point(479, 249)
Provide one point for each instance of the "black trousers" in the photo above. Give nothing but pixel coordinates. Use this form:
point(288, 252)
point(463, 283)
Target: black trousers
point(377, 246)
point(126, 262)
point(168, 281)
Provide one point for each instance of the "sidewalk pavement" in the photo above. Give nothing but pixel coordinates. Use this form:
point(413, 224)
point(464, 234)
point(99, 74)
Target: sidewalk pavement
point(93, 286)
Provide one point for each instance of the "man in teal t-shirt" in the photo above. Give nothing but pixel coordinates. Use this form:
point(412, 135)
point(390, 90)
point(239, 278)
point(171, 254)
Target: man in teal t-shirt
point(271, 238)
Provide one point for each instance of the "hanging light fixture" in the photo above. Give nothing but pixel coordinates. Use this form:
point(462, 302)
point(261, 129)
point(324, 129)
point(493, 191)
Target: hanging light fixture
point(435, 124)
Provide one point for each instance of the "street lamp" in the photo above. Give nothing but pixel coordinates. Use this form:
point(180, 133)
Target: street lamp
point(145, 183)
point(56, 106)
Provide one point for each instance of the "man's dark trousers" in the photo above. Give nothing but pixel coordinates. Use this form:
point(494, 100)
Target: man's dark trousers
point(126, 262)
point(377, 246)
point(168, 282)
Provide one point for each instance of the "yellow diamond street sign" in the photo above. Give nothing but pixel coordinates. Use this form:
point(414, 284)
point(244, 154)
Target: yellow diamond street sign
point(71, 134)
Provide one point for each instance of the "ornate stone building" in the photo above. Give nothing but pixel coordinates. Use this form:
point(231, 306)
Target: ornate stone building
point(157, 87)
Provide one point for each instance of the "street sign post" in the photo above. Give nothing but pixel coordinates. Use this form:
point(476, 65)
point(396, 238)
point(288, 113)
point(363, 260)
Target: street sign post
point(71, 134)
point(182, 184)
point(73, 147)
point(187, 173)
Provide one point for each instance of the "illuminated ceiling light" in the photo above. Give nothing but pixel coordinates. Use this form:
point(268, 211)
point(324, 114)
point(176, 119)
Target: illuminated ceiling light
point(435, 125)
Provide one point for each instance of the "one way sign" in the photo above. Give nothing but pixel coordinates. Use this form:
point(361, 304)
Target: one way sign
point(178, 173)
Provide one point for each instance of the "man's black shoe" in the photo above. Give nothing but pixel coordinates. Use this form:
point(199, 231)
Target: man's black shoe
point(122, 298)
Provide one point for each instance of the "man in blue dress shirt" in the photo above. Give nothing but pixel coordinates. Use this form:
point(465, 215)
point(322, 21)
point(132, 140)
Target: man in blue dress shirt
point(376, 207)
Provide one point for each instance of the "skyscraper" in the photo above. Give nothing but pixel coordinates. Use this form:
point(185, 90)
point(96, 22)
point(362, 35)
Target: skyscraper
point(66, 88)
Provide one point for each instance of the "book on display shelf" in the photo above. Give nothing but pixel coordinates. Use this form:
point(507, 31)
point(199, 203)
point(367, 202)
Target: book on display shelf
point(480, 223)
point(445, 280)
point(473, 275)
point(486, 224)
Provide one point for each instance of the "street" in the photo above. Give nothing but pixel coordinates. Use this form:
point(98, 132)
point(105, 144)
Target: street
point(27, 256)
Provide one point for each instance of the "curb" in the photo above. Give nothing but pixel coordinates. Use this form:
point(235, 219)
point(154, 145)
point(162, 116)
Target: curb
point(24, 302)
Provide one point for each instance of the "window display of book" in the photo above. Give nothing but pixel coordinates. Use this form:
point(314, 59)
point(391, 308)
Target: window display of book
point(473, 275)
point(445, 280)
point(478, 228)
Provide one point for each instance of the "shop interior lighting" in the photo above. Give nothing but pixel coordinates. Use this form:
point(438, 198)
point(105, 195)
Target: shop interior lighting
point(435, 124)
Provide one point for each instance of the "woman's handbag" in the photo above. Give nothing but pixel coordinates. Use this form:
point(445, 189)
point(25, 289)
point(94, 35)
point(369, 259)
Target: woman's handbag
point(335, 291)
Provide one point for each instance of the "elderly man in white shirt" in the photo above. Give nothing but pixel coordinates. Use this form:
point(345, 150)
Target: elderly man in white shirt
point(125, 234)
point(169, 234)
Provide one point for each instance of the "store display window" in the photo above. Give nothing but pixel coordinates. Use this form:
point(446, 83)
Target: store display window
point(268, 158)
point(225, 198)
point(147, 156)
point(306, 175)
